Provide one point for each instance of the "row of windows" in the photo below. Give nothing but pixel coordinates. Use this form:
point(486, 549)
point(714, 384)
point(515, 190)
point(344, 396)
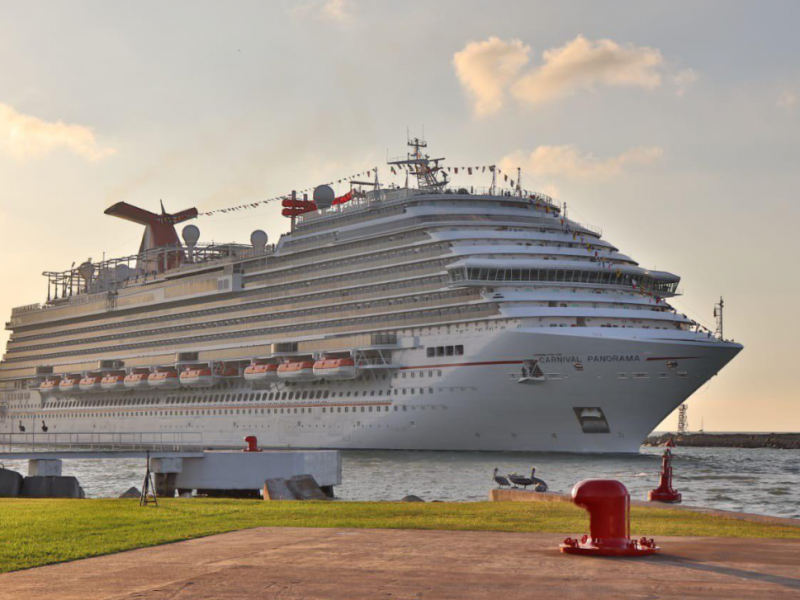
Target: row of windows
point(640, 281)
point(226, 411)
point(445, 351)
point(384, 276)
point(321, 312)
point(398, 255)
point(251, 397)
point(292, 292)
point(400, 319)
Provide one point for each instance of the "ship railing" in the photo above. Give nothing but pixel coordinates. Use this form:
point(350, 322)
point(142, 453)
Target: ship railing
point(389, 196)
point(93, 441)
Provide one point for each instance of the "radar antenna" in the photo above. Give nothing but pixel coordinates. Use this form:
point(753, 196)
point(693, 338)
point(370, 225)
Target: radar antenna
point(429, 174)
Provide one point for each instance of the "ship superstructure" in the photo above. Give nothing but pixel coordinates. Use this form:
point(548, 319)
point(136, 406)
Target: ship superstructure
point(425, 317)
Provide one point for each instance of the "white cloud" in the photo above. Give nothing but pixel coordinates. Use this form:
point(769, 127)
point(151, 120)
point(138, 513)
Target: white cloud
point(583, 65)
point(328, 10)
point(486, 68)
point(786, 100)
point(683, 79)
point(337, 10)
point(568, 162)
point(23, 136)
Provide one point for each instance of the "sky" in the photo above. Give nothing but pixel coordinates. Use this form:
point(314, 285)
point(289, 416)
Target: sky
point(673, 126)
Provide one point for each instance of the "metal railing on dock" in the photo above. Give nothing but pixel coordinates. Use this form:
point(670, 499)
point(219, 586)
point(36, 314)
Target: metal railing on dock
point(158, 441)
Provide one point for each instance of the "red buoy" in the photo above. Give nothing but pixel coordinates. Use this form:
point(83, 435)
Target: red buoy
point(664, 492)
point(608, 503)
point(252, 444)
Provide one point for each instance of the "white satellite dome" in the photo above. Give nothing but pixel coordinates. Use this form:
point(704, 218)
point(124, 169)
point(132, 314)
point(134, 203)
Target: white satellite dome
point(121, 272)
point(324, 196)
point(191, 234)
point(259, 239)
point(86, 270)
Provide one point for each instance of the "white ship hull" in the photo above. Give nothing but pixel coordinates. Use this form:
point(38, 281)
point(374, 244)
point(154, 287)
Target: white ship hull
point(478, 401)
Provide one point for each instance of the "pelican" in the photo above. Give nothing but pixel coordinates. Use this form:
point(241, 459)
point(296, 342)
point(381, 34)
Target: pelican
point(526, 481)
point(499, 479)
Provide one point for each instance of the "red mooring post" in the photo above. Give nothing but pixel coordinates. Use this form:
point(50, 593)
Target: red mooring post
point(252, 444)
point(664, 492)
point(608, 503)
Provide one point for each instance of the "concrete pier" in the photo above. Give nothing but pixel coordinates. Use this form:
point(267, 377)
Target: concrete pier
point(365, 564)
point(177, 464)
point(245, 471)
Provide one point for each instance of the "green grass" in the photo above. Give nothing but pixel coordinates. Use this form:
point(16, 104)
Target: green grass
point(40, 532)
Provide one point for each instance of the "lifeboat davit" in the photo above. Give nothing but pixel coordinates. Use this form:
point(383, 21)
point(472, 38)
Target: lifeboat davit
point(136, 381)
point(298, 370)
point(113, 382)
point(164, 380)
point(49, 386)
point(261, 373)
point(229, 372)
point(70, 383)
point(336, 368)
point(91, 383)
point(198, 377)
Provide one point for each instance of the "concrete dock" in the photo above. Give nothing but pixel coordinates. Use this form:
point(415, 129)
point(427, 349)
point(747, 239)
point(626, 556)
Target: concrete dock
point(362, 563)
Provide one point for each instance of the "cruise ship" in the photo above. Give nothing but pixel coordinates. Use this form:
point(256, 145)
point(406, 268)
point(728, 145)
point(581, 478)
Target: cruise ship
point(415, 317)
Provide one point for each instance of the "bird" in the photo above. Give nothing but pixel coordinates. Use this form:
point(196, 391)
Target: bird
point(44, 427)
point(21, 428)
point(500, 480)
point(525, 481)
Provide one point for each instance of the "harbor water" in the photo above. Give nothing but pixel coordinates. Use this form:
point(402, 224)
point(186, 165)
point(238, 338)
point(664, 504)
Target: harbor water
point(763, 480)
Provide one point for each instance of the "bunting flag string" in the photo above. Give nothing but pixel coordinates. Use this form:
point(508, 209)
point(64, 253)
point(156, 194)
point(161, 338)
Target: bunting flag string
point(250, 205)
point(395, 170)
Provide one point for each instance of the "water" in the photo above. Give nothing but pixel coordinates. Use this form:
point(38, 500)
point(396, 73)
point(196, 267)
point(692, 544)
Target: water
point(763, 480)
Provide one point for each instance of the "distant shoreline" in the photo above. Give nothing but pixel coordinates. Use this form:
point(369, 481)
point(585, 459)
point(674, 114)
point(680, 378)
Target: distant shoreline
point(782, 441)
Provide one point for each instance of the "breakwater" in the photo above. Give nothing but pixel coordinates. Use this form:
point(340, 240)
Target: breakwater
point(780, 441)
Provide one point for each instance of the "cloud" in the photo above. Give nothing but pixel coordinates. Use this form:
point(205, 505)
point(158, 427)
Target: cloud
point(329, 10)
point(786, 100)
point(486, 68)
point(583, 65)
point(568, 162)
point(23, 136)
point(683, 79)
point(490, 69)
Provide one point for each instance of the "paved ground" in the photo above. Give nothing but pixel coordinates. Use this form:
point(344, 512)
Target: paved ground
point(398, 564)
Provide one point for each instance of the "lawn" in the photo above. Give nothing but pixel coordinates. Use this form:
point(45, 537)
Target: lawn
point(40, 532)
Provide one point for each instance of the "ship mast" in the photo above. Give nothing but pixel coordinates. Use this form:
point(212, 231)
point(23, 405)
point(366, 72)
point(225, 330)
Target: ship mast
point(718, 308)
point(429, 174)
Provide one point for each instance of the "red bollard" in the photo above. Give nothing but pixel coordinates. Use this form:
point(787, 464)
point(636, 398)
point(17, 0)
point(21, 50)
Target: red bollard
point(609, 504)
point(252, 444)
point(664, 491)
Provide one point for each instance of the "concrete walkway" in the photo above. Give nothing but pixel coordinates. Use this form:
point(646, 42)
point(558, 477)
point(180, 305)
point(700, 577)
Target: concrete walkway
point(398, 564)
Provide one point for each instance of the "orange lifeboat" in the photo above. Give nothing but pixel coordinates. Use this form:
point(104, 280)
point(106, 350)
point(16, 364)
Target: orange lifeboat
point(297, 370)
point(198, 377)
point(113, 382)
point(137, 380)
point(164, 380)
point(91, 383)
point(258, 373)
point(70, 383)
point(49, 385)
point(336, 368)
